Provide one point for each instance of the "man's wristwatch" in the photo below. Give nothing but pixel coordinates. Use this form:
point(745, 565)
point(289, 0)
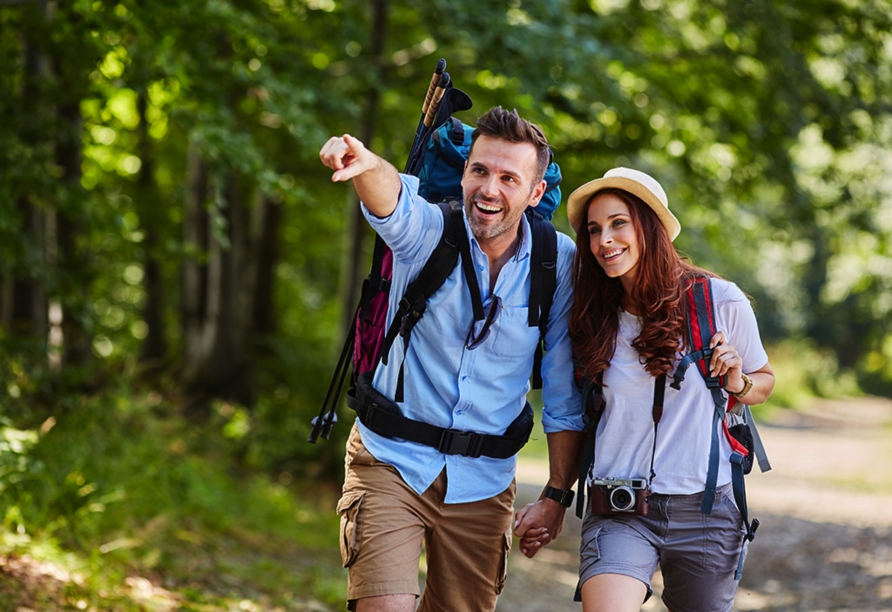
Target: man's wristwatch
point(747, 385)
point(562, 496)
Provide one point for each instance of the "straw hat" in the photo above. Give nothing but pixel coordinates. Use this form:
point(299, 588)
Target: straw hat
point(635, 182)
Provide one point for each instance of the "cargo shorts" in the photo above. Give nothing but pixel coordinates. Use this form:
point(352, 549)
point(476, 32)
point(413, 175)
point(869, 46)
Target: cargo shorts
point(697, 553)
point(384, 524)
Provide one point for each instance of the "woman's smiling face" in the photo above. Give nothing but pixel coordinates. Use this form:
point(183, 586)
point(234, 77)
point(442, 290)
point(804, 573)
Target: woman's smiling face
point(613, 238)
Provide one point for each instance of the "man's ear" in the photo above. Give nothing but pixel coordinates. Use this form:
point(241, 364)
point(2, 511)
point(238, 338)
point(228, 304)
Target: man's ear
point(538, 192)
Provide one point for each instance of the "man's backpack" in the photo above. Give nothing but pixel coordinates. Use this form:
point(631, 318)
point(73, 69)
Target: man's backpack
point(735, 417)
point(439, 169)
point(447, 150)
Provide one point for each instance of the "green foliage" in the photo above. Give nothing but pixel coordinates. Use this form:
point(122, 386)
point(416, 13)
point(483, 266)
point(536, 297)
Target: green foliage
point(767, 122)
point(804, 372)
point(132, 492)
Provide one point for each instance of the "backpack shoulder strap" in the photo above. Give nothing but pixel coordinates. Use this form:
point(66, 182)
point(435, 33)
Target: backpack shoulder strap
point(543, 282)
point(700, 330)
point(593, 398)
point(453, 242)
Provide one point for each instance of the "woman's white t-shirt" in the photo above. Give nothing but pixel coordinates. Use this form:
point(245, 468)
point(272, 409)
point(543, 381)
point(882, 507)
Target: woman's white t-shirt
point(625, 436)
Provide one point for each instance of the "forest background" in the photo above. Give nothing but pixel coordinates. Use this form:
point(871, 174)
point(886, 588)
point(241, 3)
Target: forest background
point(177, 270)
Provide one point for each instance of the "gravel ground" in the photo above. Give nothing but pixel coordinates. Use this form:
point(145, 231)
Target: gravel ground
point(825, 542)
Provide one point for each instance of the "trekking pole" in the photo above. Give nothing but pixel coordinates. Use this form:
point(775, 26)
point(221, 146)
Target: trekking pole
point(418, 154)
point(434, 105)
point(327, 415)
point(435, 79)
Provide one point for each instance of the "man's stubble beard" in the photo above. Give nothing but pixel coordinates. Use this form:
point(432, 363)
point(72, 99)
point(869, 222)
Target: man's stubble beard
point(506, 224)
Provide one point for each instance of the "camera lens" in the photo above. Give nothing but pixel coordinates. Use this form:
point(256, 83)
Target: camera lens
point(622, 499)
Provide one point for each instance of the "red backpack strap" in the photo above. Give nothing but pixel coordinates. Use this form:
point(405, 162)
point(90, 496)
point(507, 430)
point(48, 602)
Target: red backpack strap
point(701, 328)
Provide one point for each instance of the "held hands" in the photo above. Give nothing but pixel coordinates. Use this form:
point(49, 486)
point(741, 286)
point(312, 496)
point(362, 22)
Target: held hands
point(347, 156)
point(726, 361)
point(537, 524)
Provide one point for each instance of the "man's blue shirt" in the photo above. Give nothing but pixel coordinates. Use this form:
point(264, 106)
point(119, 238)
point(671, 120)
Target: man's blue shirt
point(481, 390)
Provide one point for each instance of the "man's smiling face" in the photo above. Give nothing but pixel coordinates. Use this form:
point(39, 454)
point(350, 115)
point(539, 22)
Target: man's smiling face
point(498, 186)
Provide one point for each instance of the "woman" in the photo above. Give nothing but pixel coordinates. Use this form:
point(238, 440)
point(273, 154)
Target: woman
point(628, 324)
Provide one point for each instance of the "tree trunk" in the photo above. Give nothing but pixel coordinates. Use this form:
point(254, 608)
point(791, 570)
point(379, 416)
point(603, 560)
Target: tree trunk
point(267, 226)
point(194, 271)
point(151, 212)
point(220, 320)
point(356, 260)
point(74, 264)
point(23, 309)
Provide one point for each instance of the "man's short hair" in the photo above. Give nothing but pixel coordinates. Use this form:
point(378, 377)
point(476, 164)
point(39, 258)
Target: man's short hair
point(508, 125)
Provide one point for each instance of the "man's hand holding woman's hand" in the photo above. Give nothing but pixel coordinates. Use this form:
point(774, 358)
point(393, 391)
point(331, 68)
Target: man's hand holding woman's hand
point(537, 524)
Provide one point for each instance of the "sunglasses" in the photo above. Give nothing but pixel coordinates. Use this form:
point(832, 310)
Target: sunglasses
point(480, 329)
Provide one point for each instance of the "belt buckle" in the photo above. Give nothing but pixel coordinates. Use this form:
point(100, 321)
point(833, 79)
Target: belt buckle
point(457, 442)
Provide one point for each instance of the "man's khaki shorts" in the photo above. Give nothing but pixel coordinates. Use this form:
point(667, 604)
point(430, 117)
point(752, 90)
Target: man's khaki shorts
point(383, 525)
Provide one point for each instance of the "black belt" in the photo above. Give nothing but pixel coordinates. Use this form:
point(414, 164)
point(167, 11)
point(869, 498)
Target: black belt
point(380, 414)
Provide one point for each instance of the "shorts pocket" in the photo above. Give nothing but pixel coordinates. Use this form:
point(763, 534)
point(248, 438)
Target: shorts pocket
point(730, 506)
point(589, 550)
point(348, 508)
point(503, 561)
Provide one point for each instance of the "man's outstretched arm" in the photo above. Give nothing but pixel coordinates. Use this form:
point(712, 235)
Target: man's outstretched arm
point(377, 182)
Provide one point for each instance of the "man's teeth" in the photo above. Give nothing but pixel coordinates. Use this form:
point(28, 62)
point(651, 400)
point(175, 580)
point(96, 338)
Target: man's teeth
point(488, 207)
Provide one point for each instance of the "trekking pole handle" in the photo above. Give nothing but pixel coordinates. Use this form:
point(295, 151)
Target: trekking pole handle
point(435, 78)
point(435, 102)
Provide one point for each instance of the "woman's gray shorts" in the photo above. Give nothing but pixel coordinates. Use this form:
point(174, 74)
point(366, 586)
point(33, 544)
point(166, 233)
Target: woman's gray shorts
point(697, 553)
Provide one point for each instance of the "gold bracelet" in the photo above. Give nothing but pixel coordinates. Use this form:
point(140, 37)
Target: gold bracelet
point(747, 385)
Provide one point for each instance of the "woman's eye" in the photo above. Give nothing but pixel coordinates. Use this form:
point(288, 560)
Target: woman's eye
point(619, 223)
point(594, 230)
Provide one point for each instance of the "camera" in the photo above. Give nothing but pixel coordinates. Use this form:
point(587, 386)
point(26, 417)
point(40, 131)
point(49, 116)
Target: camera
point(619, 495)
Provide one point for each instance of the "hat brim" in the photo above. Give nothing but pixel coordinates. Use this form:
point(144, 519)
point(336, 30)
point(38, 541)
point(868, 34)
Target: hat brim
point(576, 203)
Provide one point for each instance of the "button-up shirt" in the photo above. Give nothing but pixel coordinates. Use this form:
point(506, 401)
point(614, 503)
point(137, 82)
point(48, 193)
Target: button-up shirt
point(446, 384)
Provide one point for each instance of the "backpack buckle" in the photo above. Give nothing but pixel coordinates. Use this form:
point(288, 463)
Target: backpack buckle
point(457, 442)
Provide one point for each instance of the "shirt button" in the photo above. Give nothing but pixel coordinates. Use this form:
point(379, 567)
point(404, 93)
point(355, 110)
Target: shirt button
point(459, 412)
point(464, 378)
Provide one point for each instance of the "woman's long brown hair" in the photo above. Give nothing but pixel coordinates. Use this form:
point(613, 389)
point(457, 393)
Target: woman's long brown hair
point(660, 283)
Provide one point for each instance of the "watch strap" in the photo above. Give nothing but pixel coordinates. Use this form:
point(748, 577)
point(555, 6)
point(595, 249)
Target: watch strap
point(562, 496)
point(747, 385)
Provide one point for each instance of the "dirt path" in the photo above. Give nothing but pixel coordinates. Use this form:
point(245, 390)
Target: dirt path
point(825, 542)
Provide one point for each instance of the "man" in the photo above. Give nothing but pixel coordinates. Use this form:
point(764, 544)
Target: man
point(460, 375)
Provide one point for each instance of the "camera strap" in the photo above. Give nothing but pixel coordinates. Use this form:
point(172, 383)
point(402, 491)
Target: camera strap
point(659, 392)
point(593, 391)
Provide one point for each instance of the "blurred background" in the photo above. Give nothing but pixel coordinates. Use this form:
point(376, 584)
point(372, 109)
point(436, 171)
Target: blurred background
point(177, 270)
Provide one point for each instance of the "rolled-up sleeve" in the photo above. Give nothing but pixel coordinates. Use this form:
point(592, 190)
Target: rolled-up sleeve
point(413, 229)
